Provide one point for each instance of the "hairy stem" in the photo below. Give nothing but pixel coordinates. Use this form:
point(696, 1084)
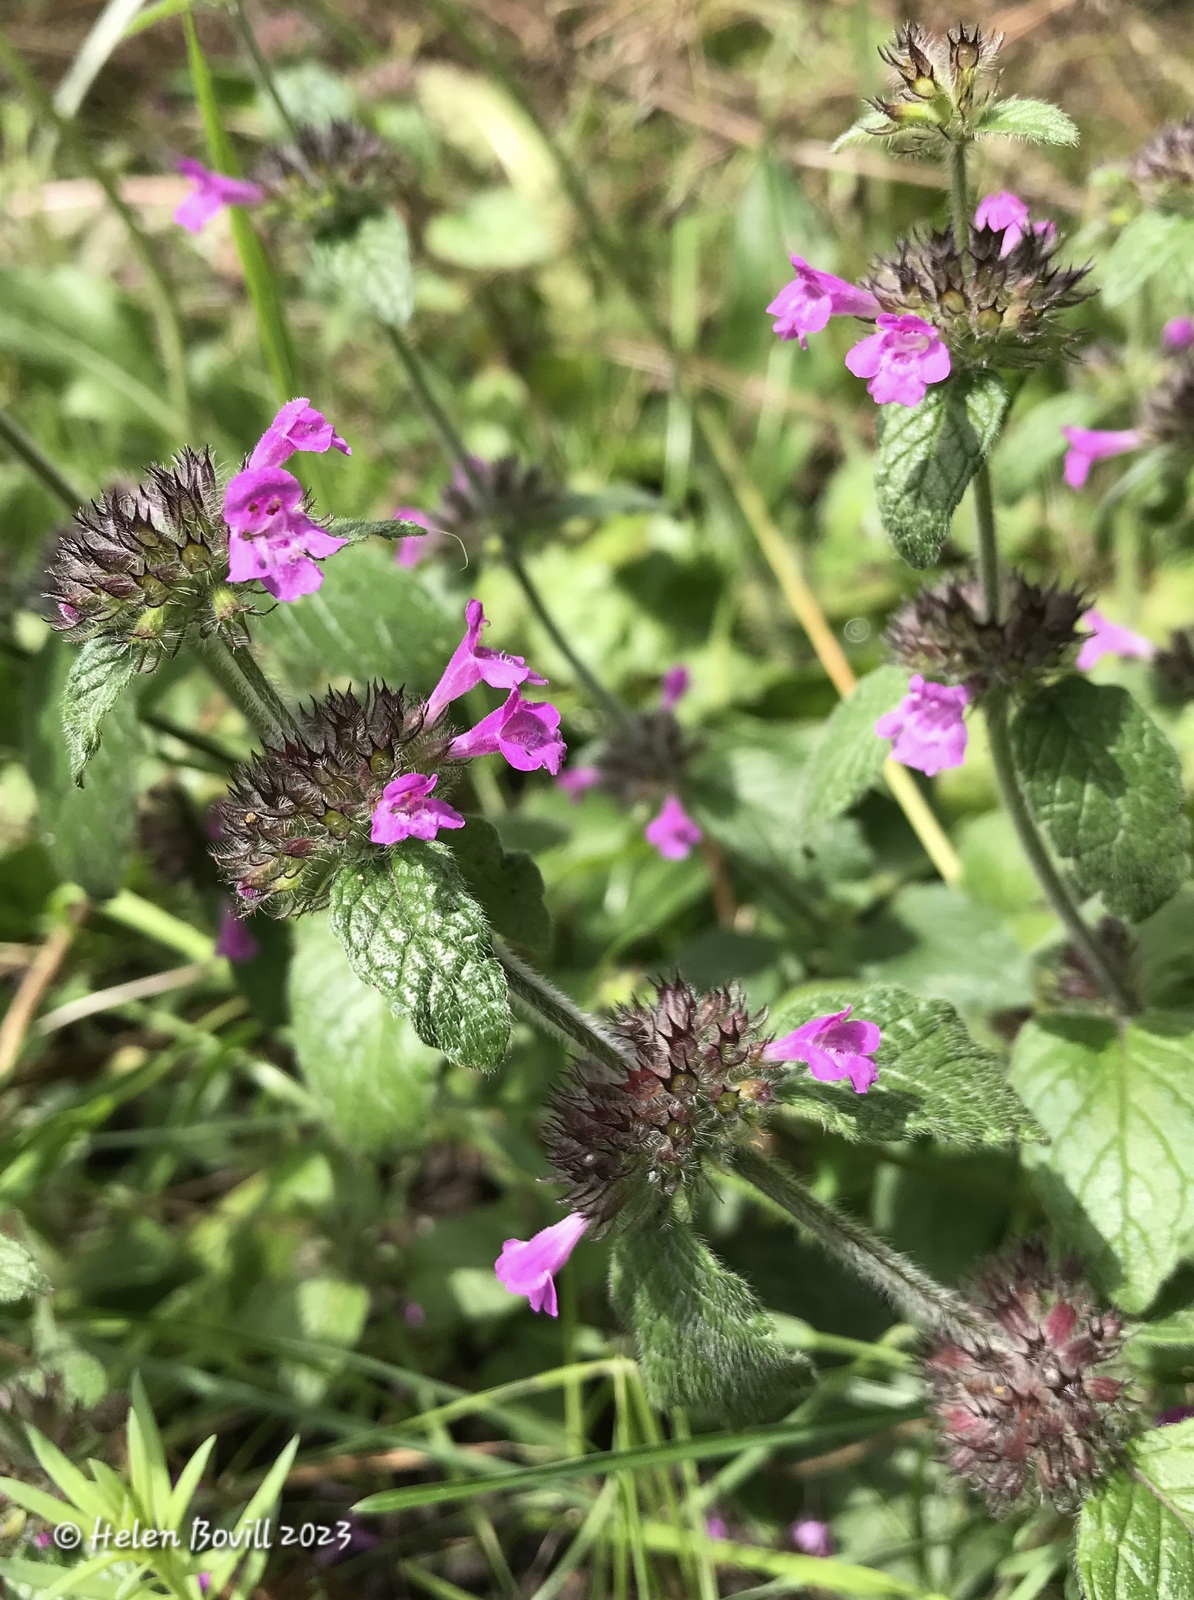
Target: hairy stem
point(988, 544)
point(597, 690)
point(440, 420)
point(552, 1009)
point(22, 446)
point(1050, 880)
point(920, 1298)
point(243, 681)
point(959, 194)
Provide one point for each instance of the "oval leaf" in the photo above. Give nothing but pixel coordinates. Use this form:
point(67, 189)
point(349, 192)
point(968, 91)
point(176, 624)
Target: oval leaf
point(1136, 1532)
point(99, 673)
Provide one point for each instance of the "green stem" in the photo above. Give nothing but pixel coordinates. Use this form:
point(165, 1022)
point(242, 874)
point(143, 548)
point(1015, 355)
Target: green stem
point(265, 75)
point(440, 420)
point(609, 703)
point(959, 194)
point(920, 1298)
point(548, 1006)
point(988, 544)
point(22, 446)
point(1050, 880)
point(243, 681)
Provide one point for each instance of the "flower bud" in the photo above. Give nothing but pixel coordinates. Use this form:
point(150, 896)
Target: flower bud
point(1174, 668)
point(501, 495)
point(330, 177)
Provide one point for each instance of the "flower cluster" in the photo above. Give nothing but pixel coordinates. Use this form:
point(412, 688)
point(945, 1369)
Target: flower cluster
point(332, 175)
point(1164, 168)
point(940, 84)
point(504, 497)
point(1032, 1411)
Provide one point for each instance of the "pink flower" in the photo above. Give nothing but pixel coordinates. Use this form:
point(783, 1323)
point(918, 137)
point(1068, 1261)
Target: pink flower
point(298, 426)
point(528, 1266)
point(675, 687)
point(576, 780)
point(413, 1314)
point(406, 811)
point(1006, 212)
point(1088, 445)
point(901, 359)
point(811, 1537)
point(413, 549)
point(43, 1540)
point(526, 732)
point(673, 832)
point(1174, 1414)
point(927, 726)
point(203, 1579)
point(271, 537)
point(806, 304)
point(212, 192)
point(473, 663)
point(234, 939)
point(1178, 333)
point(715, 1528)
point(1110, 639)
point(832, 1047)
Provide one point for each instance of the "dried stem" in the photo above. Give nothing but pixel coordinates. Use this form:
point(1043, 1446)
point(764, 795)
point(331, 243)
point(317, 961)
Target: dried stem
point(38, 977)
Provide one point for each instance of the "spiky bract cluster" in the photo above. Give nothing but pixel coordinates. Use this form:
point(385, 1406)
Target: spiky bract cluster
point(1174, 668)
point(633, 1140)
point(501, 496)
point(1164, 169)
point(645, 756)
point(295, 814)
point(332, 175)
point(1167, 412)
point(991, 309)
point(940, 84)
point(944, 632)
point(148, 566)
point(1032, 1412)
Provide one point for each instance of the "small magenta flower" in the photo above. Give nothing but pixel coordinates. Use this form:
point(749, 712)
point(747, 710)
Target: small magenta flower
point(832, 1047)
point(1174, 1414)
point(407, 810)
point(1088, 445)
point(1178, 333)
point(673, 832)
point(413, 1314)
point(927, 726)
point(528, 1266)
point(212, 192)
point(675, 686)
point(271, 537)
point(901, 360)
point(203, 1579)
point(811, 1537)
point(1111, 639)
point(715, 1528)
point(576, 780)
point(806, 304)
point(1006, 212)
point(298, 426)
point(43, 1540)
point(234, 939)
point(414, 549)
point(473, 663)
point(525, 732)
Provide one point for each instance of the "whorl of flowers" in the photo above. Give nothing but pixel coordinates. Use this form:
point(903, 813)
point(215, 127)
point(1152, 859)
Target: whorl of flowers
point(149, 566)
point(1033, 1413)
point(1165, 166)
point(333, 174)
point(1167, 412)
point(504, 494)
point(991, 305)
point(939, 84)
point(1174, 667)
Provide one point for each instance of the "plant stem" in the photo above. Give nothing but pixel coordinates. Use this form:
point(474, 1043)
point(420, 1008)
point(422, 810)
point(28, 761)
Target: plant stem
point(959, 195)
point(265, 76)
point(554, 1011)
point(608, 702)
point(22, 446)
point(243, 681)
point(919, 1297)
point(988, 544)
point(440, 420)
point(1050, 880)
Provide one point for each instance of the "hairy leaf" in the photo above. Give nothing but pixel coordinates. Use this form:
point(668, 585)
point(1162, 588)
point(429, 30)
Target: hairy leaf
point(1106, 785)
point(933, 1077)
point(848, 755)
point(945, 946)
point(369, 267)
point(98, 675)
point(703, 1341)
point(374, 1075)
point(1035, 121)
point(20, 1275)
point(506, 883)
point(1136, 1531)
point(1118, 1104)
point(1152, 245)
point(354, 529)
point(928, 454)
point(411, 929)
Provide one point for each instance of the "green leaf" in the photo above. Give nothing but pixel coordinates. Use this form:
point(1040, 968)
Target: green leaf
point(89, 832)
point(370, 619)
point(933, 1077)
point(20, 1275)
point(703, 1341)
point(410, 928)
point(99, 673)
point(1118, 1103)
point(1036, 121)
point(944, 945)
point(375, 1078)
point(497, 231)
point(928, 453)
point(1152, 245)
point(1106, 785)
point(870, 126)
point(506, 883)
point(848, 756)
point(354, 529)
point(1136, 1531)
point(368, 267)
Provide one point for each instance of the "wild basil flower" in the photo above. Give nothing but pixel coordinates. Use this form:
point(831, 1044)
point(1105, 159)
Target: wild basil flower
point(408, 810)
point(332, 176)
point(501, 497)
point(1006, 213)
point(211, 193)
point(1178, 333)
point(298, 426)
point(525, 732)
point(234, 939)
point(715, 1528)
point(900, 360)
point(1088, 445)
point(812, 1538)
point(1164, 169)
point(806, 304)
point(676, 682)
point(1111, 639)
point(940, 84)
point(1172, 1415)
point(528, 1266)
point(673, 832)
point(927, 726)
point(575, 780)
point(473, 663)
point(832, 1047)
